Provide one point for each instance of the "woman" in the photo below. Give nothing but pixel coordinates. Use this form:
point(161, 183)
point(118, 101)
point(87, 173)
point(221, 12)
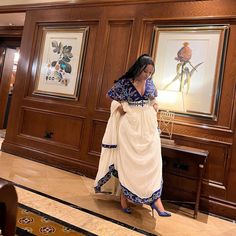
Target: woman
point(131, 148)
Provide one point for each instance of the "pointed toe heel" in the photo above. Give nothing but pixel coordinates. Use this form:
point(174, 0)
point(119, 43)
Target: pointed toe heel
point(164, 214)
point(124, 204)
point(160, 213)
point(127, 210)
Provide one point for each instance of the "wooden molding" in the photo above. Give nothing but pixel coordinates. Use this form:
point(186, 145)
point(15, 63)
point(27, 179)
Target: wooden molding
point(53, 5)
point(11, 31)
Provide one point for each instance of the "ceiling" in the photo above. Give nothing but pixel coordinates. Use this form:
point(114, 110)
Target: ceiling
point(18, 19)
point(19, 2)
point(14, 19)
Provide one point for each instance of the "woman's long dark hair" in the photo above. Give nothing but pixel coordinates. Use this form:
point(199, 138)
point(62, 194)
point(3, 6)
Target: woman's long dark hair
point(136, 69)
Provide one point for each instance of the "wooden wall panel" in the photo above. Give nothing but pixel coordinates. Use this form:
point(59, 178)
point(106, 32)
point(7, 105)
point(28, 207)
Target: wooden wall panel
point(117, 35)
point(117, 46)
point(55, 128)
point(231, 193)
point(98, 129)
point(217, 162)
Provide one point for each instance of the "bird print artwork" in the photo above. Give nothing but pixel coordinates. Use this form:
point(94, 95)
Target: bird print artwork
point(184, 69)
point(184, 54)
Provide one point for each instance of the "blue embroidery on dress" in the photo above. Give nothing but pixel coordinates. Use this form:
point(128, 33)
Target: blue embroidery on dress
point(134, 198)
point(109, 146)
point(124, 90)
point(138, 103)
point(103, 180)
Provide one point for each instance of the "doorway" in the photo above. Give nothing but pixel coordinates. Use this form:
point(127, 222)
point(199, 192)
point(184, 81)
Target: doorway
point(9, 65)
point(11, 29)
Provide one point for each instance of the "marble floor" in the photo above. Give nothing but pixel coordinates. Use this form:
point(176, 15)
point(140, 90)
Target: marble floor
point(71, 198)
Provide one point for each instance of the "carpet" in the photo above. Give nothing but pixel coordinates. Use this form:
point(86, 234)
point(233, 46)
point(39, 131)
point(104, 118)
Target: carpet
point(33, 222)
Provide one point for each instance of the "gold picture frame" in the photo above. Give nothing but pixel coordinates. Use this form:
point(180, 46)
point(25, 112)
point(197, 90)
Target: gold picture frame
point(189, 65)
point(61, 60)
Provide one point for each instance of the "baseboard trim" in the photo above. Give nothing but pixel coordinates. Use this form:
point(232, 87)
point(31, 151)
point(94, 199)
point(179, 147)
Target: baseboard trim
point(224, 210)
point(54, 160)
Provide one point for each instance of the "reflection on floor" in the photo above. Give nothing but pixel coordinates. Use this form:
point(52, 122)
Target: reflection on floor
point(71, 198)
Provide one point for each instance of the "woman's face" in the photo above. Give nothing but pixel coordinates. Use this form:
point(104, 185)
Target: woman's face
point(146, 73)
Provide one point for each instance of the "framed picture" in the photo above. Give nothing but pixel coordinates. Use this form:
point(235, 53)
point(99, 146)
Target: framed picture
point(61, 60)
point(189, 64)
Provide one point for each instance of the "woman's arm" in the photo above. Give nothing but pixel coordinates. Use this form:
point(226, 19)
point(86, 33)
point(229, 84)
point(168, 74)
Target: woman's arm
point(155, 105)
point(120, 108)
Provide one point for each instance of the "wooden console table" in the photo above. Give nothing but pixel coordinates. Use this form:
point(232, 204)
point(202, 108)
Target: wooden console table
point(182, 174)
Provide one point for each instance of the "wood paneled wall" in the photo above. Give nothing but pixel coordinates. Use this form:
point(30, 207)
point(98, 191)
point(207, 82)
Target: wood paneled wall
point(117, 35)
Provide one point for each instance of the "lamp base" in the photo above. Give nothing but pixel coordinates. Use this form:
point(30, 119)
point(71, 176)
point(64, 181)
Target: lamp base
point(167, 141)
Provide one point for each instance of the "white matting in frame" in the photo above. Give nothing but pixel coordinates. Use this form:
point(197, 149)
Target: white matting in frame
point(61, 62)
point(189, 64)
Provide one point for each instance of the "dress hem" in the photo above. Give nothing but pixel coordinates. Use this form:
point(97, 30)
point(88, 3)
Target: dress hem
point(128, 194)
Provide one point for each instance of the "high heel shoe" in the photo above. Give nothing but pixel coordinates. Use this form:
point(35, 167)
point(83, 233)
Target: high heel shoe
point(127, 210)
point(160, 213)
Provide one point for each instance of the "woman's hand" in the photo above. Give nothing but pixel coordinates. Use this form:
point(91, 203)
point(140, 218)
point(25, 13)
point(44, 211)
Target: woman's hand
point(121, 110)
point(155, 106)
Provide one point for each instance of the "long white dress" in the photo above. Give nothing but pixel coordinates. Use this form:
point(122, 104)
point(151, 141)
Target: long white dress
point(131, 148)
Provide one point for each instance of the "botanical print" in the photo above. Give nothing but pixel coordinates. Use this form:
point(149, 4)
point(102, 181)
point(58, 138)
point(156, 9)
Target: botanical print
point(59, 70)
point(188, 63)
point(184, 69)
point(61, 60)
